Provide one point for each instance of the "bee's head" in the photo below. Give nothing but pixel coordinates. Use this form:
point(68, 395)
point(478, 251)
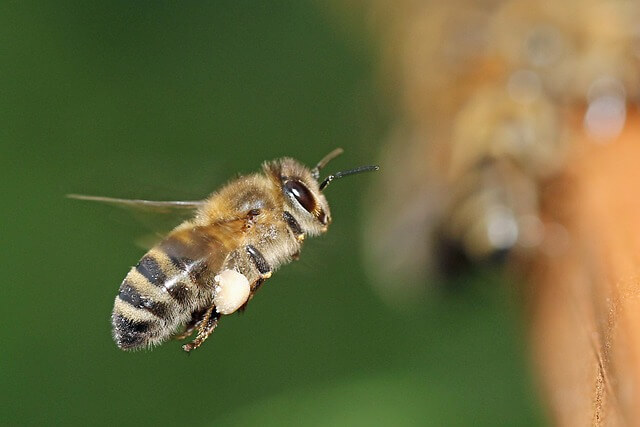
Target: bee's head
point(303, 197)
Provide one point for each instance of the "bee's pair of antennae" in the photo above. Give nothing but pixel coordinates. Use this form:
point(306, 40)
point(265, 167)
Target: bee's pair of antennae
point(315, 172)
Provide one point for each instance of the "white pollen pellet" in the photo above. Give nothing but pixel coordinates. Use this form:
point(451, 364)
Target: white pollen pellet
point(232, 290)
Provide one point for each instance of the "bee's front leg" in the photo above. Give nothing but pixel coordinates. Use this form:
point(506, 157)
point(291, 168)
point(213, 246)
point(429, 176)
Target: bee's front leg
point(262, 268)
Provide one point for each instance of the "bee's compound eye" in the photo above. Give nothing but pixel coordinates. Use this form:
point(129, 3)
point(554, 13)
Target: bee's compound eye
point(231, 291)
point(301, 193)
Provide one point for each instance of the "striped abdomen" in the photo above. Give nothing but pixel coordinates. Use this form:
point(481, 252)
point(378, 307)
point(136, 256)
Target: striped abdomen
point(161, 292)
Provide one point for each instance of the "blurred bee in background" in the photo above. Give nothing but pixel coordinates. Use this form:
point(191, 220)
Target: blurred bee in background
point(517, 138)
point(214, 263)
point(489, 94)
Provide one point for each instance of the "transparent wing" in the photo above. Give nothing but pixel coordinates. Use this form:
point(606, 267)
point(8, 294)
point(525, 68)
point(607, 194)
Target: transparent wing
point(157, 217)
point(147, 205)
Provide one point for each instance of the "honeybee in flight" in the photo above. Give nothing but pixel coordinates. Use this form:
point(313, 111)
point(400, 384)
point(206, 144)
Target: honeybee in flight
point(213, 264)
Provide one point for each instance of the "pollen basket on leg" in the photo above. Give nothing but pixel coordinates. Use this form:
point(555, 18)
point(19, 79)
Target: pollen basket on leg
point(231, 292)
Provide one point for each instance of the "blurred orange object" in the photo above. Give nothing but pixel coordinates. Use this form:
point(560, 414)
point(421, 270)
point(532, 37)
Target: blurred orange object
point(518, 134)
point(586, 305)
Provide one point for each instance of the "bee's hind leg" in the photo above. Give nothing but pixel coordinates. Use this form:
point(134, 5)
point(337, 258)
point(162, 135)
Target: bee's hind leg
point(209, 319)
point(196, 319)
point(207, 325)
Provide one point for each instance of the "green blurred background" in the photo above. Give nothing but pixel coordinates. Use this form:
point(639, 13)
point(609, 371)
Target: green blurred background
point(168, 100)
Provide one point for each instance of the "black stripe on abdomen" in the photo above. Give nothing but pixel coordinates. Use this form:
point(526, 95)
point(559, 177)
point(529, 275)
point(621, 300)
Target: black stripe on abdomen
point(180, 293)
point(150, 270)
point(130, 295)
point(129, 333)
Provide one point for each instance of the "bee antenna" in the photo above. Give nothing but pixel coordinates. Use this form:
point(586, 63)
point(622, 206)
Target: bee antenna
point(342, 174)
point(315, 172)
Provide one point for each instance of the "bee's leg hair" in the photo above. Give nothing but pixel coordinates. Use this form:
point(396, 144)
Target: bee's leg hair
point(196, 319)
point(206, 327)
